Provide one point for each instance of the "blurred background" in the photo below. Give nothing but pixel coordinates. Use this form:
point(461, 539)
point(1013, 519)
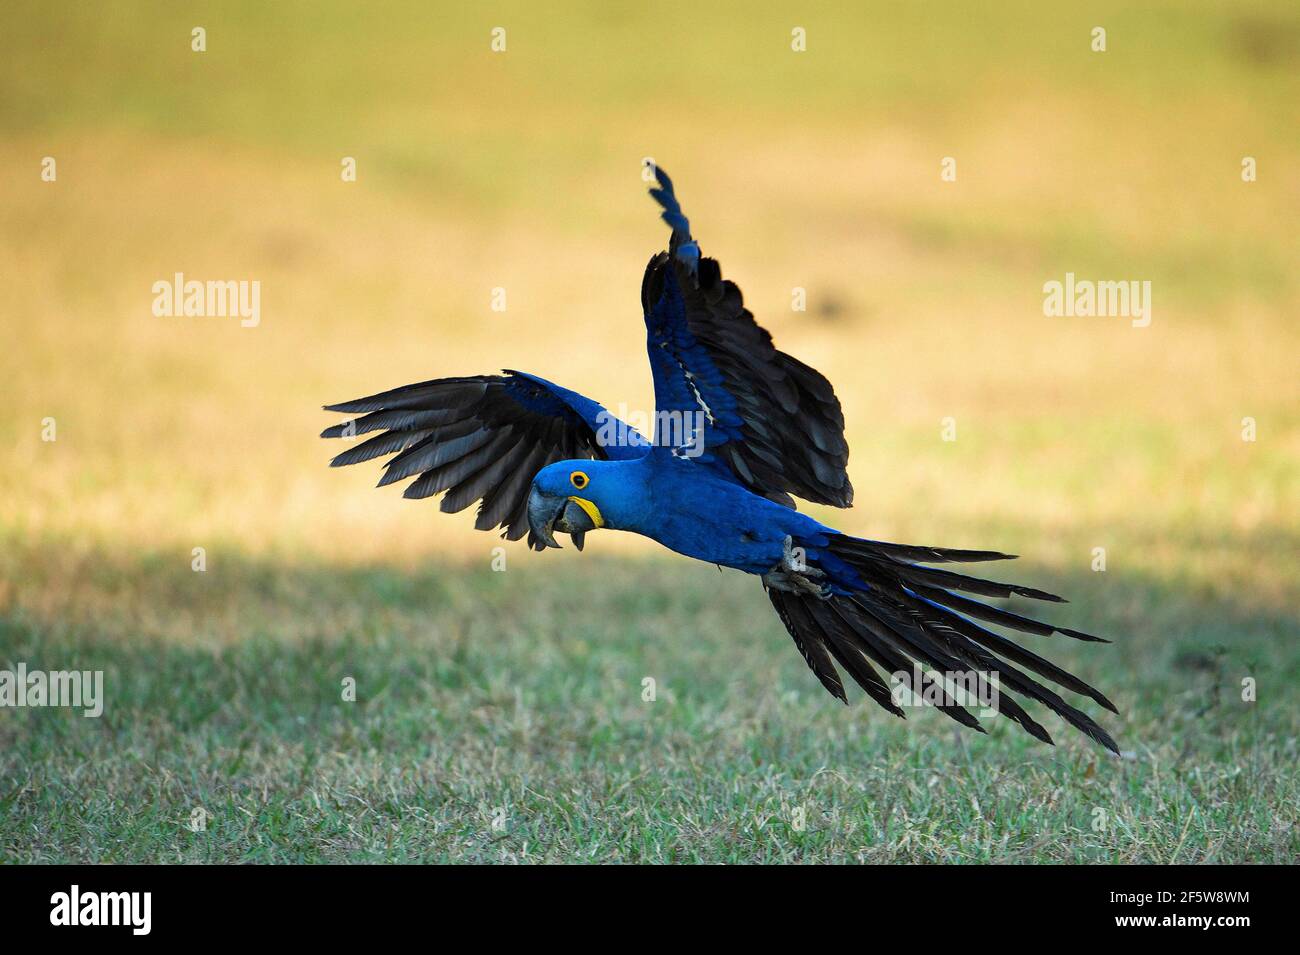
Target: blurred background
point(522, 170)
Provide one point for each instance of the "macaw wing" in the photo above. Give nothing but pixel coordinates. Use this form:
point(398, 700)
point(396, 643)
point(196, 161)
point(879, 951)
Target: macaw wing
point(480, 438)
point(766, 419)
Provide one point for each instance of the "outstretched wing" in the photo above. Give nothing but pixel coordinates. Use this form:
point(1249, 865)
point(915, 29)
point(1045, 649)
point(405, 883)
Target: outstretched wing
point(482, 437)
point(768, 420)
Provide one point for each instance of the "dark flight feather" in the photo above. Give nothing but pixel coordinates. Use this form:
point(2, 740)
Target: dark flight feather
point(772, 421)
point(479, 438)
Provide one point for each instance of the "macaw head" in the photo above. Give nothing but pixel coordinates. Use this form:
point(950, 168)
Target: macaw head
point(578, 496)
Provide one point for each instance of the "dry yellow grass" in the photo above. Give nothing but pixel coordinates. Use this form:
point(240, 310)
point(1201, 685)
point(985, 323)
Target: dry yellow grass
point(178, 432)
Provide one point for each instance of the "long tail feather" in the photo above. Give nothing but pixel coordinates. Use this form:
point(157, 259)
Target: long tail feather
point(902, 617)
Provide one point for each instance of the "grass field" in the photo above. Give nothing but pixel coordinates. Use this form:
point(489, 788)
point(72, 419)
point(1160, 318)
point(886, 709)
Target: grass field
point(499, 715)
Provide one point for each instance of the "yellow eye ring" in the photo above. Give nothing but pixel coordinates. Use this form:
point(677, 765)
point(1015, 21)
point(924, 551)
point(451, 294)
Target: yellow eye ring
point(579, 480)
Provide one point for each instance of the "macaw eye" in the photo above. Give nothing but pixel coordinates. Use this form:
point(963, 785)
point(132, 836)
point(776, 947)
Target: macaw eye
point(579, 480)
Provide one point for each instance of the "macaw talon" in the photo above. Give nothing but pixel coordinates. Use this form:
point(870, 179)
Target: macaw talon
point(794, 583)
point(794, 574)
point(795, 561)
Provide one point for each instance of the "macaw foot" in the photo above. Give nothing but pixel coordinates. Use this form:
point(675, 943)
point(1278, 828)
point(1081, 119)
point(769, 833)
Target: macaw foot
point(794, 575)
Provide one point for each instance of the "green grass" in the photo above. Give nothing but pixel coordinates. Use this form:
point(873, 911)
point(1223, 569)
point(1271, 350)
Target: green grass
point(520, 694)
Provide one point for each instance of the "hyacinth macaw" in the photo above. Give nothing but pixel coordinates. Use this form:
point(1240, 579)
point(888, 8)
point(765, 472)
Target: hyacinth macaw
point(741, 428)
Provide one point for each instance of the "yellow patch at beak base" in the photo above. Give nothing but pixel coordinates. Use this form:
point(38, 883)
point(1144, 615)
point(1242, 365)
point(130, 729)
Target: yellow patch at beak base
point(592, 510)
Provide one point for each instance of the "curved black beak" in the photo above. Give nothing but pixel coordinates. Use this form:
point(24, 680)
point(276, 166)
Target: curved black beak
point(548, 513)
point(543, 511)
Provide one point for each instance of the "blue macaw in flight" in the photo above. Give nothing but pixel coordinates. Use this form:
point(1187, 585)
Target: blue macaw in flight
point(741, 429)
